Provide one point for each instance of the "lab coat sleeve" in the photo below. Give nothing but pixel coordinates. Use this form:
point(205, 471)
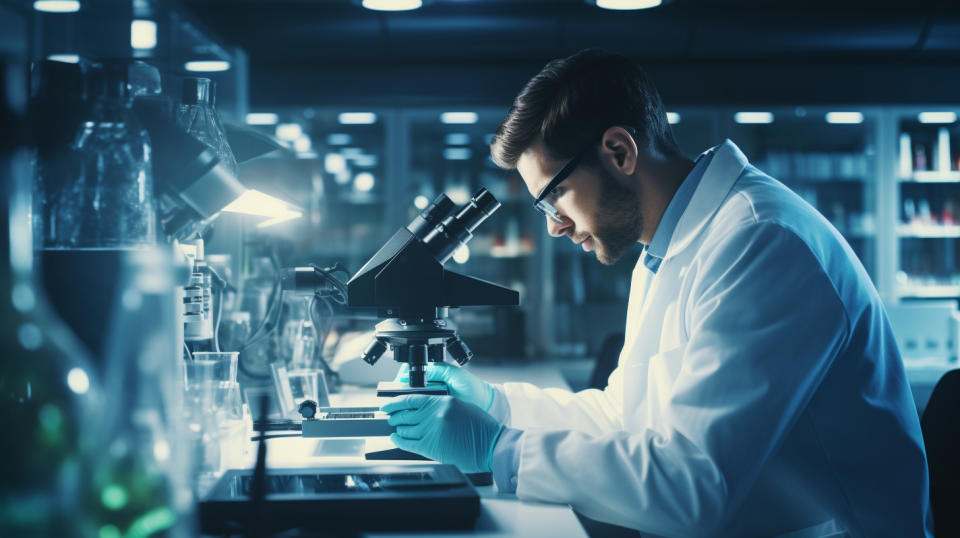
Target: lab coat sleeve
point(591, 411)
point(764, 324)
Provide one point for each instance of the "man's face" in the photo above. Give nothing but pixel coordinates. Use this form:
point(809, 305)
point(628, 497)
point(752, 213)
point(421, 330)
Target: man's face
point(596, 211)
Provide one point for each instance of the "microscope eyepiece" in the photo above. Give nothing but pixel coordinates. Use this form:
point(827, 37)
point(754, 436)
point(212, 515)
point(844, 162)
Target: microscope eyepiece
point(457, 229)
point(432, 215)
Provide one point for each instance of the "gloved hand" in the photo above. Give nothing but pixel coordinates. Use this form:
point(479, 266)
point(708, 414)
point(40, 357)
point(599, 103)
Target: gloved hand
point(445, 429)
point(460, 382)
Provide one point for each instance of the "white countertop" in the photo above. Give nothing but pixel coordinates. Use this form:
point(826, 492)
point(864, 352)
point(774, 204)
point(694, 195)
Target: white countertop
point(501, 514)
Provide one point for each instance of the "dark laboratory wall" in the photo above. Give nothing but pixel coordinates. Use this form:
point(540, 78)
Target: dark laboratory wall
point(699, 52)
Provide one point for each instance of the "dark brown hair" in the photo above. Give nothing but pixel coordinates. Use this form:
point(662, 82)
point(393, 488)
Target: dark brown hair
point(572, 101)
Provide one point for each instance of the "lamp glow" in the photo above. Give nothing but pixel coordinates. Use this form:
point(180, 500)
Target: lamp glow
point(673, 118)
point(143, 34)
point(262, 118)
point(627, 4)
point(289, 131)
point(57, 6)
point(207, 66)
point(357, 118)
point(459, 117)
point(392, 5)
point(65, 58)
point(421, 202)
point(282, 218)
point(937, 117)
point(753, 117)
point(254, 202)
point(363, 182)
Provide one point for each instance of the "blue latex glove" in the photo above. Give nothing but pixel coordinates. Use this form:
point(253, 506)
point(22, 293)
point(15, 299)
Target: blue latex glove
point(461, 383)
point(445, 429)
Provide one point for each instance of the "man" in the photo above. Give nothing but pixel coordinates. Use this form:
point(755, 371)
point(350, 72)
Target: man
point(759, 391)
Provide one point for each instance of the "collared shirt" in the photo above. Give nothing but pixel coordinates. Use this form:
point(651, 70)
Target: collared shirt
point(654, 253)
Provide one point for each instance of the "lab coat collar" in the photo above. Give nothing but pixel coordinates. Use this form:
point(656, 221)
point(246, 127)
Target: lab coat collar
point(724, 170)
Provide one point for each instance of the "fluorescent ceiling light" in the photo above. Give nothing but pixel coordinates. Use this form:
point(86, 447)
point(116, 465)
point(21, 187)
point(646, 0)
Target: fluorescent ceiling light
point(339, 139)
point(290, 215)
point(937, 117)
point(456, 139)
point(421, 202)
point(844, 117)
point(458, 117)
point(628, 4)
point(392, 5)
point(289, 131)
point(363, 182)
point(65, 58)
point(262, 118)
point(753, 117)
point(673, 117)
point(57, 6)
point(207, 66)
point(351, 152)
point(254, 202)
point(457, 154)
point(357, 118)
point(143, 34)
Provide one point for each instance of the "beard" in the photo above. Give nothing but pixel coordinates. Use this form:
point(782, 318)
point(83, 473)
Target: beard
point(618, 222)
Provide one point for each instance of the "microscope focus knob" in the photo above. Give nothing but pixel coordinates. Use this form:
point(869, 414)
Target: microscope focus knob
point(308, 409)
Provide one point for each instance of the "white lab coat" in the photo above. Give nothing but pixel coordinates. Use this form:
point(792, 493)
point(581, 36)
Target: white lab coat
point(759, 391)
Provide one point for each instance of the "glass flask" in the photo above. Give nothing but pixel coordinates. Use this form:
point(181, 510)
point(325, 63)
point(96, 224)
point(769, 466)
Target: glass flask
point(109, 204)
point(198, 117)
point(49, 395)
point(140, 482)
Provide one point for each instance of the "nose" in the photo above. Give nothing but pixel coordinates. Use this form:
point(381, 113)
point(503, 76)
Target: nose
point(558, 229)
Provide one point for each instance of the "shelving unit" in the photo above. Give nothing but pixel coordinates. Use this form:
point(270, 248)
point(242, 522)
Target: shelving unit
point(851, 173)
point(928, 205)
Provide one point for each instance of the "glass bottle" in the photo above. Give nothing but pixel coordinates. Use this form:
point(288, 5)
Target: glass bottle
point(49, 396)
point(110, 202)
point(198, 117)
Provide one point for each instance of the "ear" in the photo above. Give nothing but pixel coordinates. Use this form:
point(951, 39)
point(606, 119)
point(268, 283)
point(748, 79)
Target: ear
point(618, 151)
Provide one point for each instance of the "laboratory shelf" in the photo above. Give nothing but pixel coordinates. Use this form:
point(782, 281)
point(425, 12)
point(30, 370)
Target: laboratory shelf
point(929, 291)
point(933, 176)
point(928, 230)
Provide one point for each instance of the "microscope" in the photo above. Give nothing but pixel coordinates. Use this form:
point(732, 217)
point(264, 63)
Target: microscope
point(406, 283)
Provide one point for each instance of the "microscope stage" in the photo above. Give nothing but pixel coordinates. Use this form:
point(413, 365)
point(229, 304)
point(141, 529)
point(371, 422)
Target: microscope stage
point(347, 422)
point(392, 388)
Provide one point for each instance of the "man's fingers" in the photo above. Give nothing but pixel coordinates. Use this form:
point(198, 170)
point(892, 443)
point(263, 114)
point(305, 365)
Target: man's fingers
point(415, 401)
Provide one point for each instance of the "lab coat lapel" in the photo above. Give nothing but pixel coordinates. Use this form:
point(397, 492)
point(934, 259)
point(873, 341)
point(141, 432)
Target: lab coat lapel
point(724, 170)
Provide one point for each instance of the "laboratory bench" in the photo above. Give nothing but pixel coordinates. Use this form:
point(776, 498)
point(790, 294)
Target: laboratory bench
point(501, 514)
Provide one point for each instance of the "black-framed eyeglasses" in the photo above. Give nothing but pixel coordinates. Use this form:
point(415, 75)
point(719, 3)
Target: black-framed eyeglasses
point(544, 201)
